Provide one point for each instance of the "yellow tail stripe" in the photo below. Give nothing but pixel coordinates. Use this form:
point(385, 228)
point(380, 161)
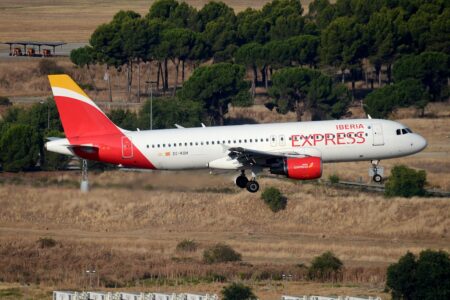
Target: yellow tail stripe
point(64, 81)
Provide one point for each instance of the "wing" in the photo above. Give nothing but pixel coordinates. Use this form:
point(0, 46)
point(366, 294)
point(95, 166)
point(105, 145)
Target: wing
point(249, 157)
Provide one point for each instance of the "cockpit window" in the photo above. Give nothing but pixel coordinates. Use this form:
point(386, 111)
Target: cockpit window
point(399, 131)
point(404, 131)
point(409, 130)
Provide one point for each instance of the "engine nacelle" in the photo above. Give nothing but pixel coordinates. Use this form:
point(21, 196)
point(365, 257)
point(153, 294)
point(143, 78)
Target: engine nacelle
point(304, 168)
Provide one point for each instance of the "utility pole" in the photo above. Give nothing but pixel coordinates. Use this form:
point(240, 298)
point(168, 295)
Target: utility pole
point(151, 103)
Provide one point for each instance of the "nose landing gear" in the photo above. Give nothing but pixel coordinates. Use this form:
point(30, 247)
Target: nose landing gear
point(376, 171)
point(251, 185)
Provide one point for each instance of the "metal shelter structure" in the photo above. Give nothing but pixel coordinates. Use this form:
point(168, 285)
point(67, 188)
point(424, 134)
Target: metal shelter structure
point(33, 44)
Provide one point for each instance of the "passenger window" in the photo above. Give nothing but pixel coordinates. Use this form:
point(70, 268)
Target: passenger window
point(240, 141)
point(185, 144)
point(191, 143)
point(196, 143)
point(207, 143)
point(212, 143)
point(245, 141)
point(164, 145)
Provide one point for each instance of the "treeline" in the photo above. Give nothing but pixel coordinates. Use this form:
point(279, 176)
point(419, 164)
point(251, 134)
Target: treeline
point(409, 40)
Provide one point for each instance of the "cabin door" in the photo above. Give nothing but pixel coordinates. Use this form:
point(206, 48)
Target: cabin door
point(377, 132)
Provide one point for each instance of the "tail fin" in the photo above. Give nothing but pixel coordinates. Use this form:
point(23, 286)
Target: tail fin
point(80, 116)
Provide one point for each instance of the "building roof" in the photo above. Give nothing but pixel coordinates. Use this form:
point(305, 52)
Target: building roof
point(34, 43)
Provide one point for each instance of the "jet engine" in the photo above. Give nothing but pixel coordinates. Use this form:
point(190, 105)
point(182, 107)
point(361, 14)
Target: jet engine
point(303, 168)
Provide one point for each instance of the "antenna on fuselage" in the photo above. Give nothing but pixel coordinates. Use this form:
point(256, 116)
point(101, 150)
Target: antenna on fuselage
point(179, 126)
point(369, 117)
point(203, 125)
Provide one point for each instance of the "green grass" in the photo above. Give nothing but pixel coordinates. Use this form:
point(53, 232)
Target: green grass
point(12, 293)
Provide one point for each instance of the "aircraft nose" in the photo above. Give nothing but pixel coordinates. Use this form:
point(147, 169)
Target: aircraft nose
point(420, 143)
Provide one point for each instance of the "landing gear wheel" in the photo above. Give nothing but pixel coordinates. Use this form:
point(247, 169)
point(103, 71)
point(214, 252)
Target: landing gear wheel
point(252, 186)
point(241, 181)
point(377, 178)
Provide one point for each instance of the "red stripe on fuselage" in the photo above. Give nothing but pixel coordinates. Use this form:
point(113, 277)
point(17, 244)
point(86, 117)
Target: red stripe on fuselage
point(85, 124)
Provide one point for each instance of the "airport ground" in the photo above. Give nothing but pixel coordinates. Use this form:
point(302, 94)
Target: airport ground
point(127, 228)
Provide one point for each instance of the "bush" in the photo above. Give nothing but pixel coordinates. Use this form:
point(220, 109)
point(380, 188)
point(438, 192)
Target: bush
point(334, 178)
point(425, 278)
point(237, 291)
point(220, 253)
point(406, 182)
point(49, 67)
point(46, 243)
point(325, 267)
point(4, 101)
point(187, 246)
point(274, 199)
point(19, 147)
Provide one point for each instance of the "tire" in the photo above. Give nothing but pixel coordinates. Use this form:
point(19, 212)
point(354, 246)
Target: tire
point(252, 186)
point(241, 181)
point(377, 178)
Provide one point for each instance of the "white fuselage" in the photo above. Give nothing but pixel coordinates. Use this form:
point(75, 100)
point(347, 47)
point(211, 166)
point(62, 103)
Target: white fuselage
point(333, 141)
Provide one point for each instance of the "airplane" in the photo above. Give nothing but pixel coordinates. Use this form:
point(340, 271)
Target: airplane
point(295, 150)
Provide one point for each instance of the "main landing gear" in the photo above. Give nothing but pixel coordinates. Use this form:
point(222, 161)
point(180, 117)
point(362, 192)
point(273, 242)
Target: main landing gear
point(251, 185)
point(376, 176)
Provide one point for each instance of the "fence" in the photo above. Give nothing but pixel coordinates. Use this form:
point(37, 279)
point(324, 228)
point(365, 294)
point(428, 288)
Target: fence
point(67, 295)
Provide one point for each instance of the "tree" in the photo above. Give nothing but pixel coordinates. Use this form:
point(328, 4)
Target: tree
point(321, 12)
point(215, 87)
point(325, 267)
point(82, 57)
point(162, 9)
point(343, 45)
point(386, 37)
point(170, 111)
point(439, 33)
point(221, 36)
point(252, 27)
point(19, 147)
point(406, 182)
point(305, 49)
point(250, 55)
point(124, 119)
point(278, 54)
point(220, 253)
point(431, 68)
point(212, 11)
point(237, 291)
point(410, 92)
point(427, 277)
point(179, 43)
point(304, 90)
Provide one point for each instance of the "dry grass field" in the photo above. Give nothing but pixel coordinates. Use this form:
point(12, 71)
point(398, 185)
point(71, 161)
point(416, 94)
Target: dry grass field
point(130, 223)
point(74, 21)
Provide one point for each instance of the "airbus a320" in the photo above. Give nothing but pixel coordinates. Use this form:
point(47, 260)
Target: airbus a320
point(296, 150)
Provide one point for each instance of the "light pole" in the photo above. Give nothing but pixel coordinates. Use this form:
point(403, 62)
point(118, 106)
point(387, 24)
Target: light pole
point(151, 103)
point(48, 113)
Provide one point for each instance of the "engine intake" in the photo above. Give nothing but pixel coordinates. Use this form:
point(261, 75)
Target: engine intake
point(304, 168)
